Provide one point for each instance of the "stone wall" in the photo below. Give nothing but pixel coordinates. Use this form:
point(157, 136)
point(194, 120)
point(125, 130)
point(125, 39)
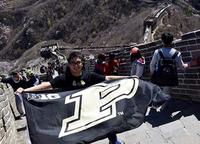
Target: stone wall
point(189, 80)
point(7, 127)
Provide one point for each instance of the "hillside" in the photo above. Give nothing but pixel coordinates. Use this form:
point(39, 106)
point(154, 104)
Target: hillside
point(24, 23)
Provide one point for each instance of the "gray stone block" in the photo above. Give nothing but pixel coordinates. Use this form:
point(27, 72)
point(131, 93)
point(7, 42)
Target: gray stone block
point(2, 97)
point(182, 137)
point(170, 129)
point(2, 133)
point(7, 117)
point(5, 110)
point(8, 124)
point(197, 33)
point(189, 35)
point(3, 140)
point(1, 123)
point(181, 43)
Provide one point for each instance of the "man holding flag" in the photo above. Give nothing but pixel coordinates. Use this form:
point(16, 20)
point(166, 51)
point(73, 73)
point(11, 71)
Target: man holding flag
point(90, 112)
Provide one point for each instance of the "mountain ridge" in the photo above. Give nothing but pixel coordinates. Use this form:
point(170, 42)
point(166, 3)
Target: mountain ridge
point(85, 22)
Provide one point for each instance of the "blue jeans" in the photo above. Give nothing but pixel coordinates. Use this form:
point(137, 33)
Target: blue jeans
point(19, 104)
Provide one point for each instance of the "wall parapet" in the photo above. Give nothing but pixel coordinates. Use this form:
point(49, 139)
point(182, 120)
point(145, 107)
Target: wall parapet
point(7, 126)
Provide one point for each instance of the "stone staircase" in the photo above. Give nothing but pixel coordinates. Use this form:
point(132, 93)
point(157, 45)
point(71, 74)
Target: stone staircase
point(177, 124)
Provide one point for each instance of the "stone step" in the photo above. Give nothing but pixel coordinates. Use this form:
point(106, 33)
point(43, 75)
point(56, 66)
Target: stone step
point(192, 125)
point(186, 130)
point(141, 135)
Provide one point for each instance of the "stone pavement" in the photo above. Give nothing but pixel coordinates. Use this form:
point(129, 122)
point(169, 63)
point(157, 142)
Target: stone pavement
point(22, 131)
point(178, 123)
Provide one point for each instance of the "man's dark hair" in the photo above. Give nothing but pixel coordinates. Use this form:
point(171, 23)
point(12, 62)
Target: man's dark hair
point(136, 56)
point(111, 56)
point(167, 38)
point(75, 54)
point(102, 57)
point(13, 73)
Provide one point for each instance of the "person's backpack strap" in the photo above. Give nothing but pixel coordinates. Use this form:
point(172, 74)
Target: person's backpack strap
point(175, 54)
point(161, 54)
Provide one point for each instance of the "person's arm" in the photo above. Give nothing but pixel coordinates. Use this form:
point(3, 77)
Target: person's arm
point(185, 65)
point(42, 86)
point(139, 70)
point(153, 62)
point(5, 80)
point(112, 77)
point(132, 69)
point(180, 62)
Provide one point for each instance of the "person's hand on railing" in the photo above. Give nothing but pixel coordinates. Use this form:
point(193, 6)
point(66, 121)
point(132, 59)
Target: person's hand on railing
point(19, 90)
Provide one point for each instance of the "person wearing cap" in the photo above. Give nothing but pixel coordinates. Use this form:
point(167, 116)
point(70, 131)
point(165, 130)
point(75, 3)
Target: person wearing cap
point(137, 62)
point(32, 79)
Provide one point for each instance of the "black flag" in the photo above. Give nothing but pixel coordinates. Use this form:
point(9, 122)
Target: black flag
point(88, 115)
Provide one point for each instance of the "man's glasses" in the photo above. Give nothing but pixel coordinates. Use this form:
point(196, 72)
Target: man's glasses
point(75, 62)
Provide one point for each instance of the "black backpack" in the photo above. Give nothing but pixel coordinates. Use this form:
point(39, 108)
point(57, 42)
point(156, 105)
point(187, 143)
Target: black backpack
point(166, 73)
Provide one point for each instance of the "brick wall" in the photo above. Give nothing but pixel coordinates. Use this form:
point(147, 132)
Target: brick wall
point(189, 80)
point(7, 127)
